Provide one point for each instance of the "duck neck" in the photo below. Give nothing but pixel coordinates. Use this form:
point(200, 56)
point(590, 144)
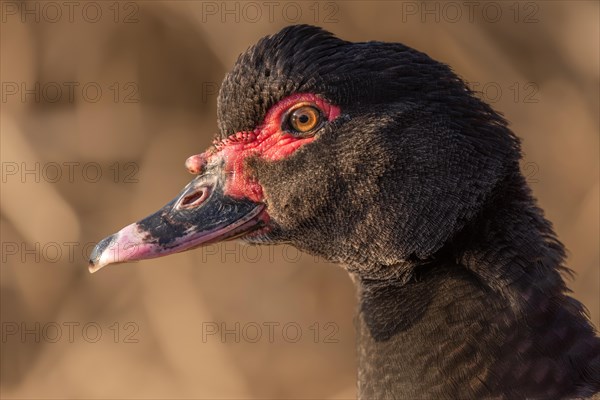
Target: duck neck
point(489, 317)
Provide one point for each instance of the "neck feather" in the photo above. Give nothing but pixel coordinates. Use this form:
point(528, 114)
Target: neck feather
point(489, 316)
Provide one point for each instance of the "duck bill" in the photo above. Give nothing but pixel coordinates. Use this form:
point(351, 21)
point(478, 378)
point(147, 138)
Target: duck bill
point(199, 215)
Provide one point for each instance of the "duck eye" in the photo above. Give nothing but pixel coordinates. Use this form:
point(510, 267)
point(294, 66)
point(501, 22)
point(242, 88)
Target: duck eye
point(304, 119)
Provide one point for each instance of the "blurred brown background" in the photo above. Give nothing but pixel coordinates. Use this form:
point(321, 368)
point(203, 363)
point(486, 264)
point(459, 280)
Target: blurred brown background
point(103, 101)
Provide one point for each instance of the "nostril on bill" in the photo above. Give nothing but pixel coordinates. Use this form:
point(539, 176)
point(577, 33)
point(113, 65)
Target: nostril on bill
point(194, 199)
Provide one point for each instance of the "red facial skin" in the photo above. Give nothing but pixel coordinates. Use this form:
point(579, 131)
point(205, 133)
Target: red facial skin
point(267, 141)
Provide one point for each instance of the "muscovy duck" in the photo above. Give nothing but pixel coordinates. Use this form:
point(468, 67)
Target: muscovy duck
point(375, 156)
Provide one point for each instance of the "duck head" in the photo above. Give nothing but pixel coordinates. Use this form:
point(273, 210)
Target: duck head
point(370, 154)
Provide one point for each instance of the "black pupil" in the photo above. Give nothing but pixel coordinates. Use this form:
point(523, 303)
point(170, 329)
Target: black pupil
point(303, 118)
